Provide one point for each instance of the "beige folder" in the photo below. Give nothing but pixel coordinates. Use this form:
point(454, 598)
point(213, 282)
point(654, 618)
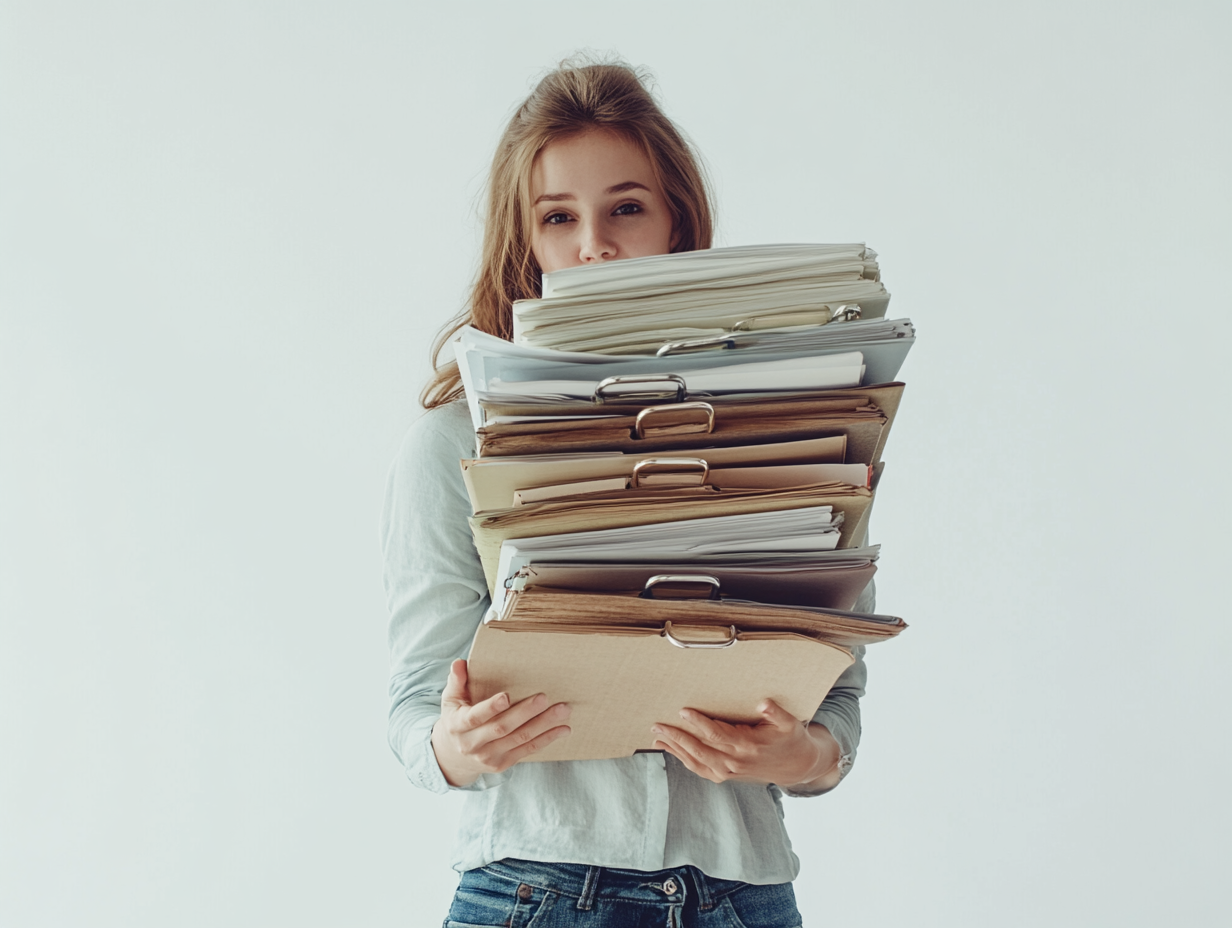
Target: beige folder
point(832, 586)
point(492, 482)
point(623, 663)
point(864, 415)
point(642, 507)
point(692, 472)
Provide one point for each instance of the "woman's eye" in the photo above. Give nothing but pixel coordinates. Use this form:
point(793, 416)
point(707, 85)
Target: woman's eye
point(555, 219)
point(626, 209)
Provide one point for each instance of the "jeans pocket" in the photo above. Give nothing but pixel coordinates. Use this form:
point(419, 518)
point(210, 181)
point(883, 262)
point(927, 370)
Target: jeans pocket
point(482, 903)
point(483, 900)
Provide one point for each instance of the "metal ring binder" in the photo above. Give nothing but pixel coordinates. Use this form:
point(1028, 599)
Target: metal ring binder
point(842, 312)
point(846, 312)
point(671, 464)
point(696, 344)
point(679, 388)
point(640, 426)
point(700, 645)
point(712, 582)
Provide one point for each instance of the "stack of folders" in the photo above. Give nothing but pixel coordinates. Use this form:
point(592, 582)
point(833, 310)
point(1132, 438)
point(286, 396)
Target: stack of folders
point(677, 456)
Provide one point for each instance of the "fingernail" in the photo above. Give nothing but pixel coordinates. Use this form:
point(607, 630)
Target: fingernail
point(657, 730)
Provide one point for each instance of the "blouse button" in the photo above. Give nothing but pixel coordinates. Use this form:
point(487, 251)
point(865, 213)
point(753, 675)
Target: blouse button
point(670, 886)
point(524, 891)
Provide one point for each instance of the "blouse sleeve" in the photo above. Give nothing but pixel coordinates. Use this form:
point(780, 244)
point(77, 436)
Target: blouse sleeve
point(840, 710)
point(434, 584)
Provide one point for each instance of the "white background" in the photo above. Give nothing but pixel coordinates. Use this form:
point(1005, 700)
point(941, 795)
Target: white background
point(229, 231)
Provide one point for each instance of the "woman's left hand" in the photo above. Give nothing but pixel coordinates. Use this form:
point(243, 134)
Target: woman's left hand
point(777, 749)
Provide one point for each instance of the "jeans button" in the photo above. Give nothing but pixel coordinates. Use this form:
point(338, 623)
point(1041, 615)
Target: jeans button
point(670, 886)
point(524, 891)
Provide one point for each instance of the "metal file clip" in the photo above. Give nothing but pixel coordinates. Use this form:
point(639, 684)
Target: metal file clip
point(675, 419)
point(841, 312)
point(706, 580)
point(696, 344)
point(700, 645)
point(644, 468)
point(671, 386)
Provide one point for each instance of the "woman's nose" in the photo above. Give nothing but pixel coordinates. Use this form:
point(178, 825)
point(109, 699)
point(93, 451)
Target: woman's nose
point(596, 244)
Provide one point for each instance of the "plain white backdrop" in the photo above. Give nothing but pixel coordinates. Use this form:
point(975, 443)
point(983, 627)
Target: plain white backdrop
point(229, 232)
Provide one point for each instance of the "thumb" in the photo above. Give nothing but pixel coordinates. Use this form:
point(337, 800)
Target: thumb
point(456, 693)
point(776, 715)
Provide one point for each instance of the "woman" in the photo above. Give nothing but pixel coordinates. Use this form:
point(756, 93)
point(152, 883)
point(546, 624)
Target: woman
point(589, 170)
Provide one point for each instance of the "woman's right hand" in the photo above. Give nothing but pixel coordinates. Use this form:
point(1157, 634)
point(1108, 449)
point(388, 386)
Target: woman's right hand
point(490, 736)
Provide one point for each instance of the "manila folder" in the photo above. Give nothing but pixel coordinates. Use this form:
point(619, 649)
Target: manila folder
point(621, 681)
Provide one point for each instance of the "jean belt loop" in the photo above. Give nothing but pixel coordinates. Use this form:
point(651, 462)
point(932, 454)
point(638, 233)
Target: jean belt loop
point(704, 899)
point(589, 888)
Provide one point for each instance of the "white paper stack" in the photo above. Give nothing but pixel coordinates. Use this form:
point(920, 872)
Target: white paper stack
point(645, 303)
point(767, 542)
point(841, 354)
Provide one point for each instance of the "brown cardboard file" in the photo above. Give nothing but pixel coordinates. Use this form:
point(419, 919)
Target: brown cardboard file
point(491, 482)
point(555, 610)
point(620, 681)
point(865, 415)
point(832, 587)
point(687, 472)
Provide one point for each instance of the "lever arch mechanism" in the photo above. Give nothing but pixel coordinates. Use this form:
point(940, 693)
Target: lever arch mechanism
point(624, 389)
point(674, 419)
point(700, 645)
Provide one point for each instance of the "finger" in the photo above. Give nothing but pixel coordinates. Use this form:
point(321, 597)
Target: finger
point(690, 762)
point(711, 730)
point(777, 716)
point(456, 692)
point(497, 725)
point(538, 743)
point(704, 753)
point(471, 717)
point(532, 728)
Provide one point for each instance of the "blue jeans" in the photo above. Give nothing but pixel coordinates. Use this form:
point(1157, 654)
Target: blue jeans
point(527, 894)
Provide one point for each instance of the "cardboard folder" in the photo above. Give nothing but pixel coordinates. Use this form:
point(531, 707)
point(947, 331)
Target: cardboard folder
point(492, 482)
point(623, 663)
point(864, 416)
point(613, 510)
point(832, 586)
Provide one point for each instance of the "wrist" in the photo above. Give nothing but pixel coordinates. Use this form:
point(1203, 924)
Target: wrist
point(450, 763)
point(824, 773)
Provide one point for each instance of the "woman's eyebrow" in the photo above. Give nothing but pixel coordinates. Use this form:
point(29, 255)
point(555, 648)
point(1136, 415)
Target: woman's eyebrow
point(628, 185)
point(616, 188)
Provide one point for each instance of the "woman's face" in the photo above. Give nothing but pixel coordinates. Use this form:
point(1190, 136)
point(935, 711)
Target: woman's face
point(594, 198)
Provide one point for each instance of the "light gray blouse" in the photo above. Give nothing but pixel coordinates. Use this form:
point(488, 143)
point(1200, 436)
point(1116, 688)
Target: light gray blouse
point(645, 812)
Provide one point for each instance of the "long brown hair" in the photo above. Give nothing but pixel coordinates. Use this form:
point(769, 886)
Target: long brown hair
point(571, 99)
